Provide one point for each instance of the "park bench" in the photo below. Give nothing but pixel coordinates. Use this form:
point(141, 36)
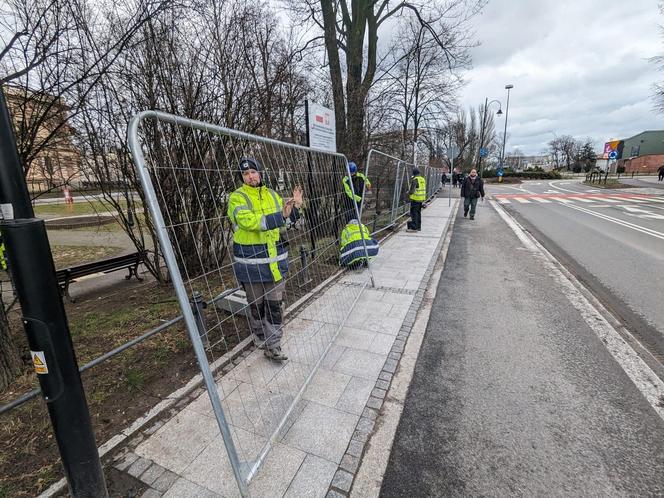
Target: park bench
point(128, 261)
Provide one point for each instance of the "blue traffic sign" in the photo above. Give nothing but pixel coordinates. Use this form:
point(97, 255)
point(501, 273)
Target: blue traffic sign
point(484, 152)
point(613, 154)
point(501, 172)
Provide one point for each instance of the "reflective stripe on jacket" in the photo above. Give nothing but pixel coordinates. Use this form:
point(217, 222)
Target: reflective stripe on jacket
point(351, 248)
point(420, 194)
point(258, 253)
point(349, 191)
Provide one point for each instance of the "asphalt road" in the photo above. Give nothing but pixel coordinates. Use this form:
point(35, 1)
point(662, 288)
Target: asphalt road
point(612, 241)
point(513, 394)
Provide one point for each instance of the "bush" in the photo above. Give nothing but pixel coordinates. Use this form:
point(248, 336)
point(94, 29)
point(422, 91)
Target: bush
point(525, 175)
point(576, 168)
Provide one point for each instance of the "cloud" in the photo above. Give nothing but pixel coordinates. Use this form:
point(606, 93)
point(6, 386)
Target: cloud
point(579, 67)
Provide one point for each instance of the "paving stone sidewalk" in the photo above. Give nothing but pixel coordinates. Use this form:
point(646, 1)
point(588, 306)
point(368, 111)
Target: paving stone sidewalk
point(320, 447)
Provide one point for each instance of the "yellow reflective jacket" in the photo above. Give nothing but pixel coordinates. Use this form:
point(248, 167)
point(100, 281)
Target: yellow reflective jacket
point(258, 253)
point(349, 191)
point(420, 194)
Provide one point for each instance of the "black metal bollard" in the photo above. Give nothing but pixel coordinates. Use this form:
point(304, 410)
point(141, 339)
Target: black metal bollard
point(198, 306)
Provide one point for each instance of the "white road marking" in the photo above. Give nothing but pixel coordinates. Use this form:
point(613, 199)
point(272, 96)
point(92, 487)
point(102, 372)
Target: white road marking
point(650, 199)
point(646, 381)
point(542, 200)
point(643, 213)
point(503, 201)
point(610, 201)
point(627, 224)
point(563, 200)
point(522, 200)
point(581, 199)
point(628, 199)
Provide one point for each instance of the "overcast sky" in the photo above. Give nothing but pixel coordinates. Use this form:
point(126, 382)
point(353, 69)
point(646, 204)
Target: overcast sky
point(579, 67)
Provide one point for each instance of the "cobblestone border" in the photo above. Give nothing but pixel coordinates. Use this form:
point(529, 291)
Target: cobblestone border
point(343, 479)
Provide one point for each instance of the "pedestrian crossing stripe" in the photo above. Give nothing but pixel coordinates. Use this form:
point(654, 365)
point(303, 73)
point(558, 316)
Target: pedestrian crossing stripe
point(584, 198)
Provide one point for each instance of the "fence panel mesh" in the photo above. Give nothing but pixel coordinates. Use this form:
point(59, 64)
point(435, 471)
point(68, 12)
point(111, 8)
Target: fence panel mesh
point(387, 202)
point(188, 170)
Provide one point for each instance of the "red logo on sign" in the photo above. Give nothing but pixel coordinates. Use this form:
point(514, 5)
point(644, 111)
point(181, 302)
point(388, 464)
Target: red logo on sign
point(319, 119)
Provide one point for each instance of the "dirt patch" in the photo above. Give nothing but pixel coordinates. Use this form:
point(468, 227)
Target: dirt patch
point(65, 256)
point(118, 391)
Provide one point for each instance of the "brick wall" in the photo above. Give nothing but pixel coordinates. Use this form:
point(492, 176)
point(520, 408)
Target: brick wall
point(644, 164)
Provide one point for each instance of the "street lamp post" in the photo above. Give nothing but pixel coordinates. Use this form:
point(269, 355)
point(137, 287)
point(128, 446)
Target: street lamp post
point(484, 114)
point(507, 110)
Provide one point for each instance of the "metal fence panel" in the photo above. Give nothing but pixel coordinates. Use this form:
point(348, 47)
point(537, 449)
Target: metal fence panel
point(388, 200)
point(188, 170)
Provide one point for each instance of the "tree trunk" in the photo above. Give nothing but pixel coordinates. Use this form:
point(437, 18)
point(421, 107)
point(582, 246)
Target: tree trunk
point(10, 359)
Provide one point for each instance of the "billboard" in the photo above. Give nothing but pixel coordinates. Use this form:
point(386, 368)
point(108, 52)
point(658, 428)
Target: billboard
point(613, 149)
point(321, 127)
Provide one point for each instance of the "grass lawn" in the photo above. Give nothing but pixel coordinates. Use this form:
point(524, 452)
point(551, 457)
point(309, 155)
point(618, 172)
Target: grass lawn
point(65, 256)
point(76, 209)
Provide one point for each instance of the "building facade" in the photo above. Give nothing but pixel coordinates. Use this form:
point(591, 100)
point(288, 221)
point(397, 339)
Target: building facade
point(643, 153)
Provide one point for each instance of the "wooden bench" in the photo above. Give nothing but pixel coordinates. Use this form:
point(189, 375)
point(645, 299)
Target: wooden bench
point(128, 261)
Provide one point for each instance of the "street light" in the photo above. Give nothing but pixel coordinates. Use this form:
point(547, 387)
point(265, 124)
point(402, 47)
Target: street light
point(507, 110)
point(500, 112)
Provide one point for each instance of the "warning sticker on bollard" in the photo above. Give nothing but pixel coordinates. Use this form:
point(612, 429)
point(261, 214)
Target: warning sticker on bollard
point(39, 362)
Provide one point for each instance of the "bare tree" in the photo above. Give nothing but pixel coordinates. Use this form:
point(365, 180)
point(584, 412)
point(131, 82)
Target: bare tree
point(353, 66)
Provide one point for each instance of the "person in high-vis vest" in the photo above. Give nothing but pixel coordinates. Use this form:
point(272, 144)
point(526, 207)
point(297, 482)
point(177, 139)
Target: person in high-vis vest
point(418, 194)
point(3, 258)
point(352, 252)
point(360, 182)
point(260, 259)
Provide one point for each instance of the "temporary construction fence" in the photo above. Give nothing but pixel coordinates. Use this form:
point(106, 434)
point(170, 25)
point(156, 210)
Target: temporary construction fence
point(388, 200)
point(188, 170)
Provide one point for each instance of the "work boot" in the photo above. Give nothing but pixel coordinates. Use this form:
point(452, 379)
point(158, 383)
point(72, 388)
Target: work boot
point(465, 213)
point(275, 354)
point(472, 217)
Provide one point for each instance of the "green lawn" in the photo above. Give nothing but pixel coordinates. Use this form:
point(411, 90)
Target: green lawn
point(78, 208)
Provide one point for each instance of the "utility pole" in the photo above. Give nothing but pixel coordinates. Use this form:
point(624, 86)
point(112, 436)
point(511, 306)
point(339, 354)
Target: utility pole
point(45, 323)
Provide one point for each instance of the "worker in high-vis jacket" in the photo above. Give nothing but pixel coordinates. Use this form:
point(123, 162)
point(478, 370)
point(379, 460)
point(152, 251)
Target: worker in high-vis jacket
point(354, 238)
point(260, 259)
point(418, 194)
point(360, 182)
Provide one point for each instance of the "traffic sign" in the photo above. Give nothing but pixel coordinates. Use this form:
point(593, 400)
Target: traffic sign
point(484, 152)
point(501, 172)
point(613, 154)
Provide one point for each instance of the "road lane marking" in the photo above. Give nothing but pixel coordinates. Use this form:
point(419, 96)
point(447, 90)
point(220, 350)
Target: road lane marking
point(627, 224)
point(628, 199)
point(502, 201)
point(643, 213)
point(542, 200)
point(522, 200)
point(581, 199)
point(593, 313)
point(562, 200)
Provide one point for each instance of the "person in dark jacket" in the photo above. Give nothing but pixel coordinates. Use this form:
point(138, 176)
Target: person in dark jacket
point(471, 190)
point(660, 173)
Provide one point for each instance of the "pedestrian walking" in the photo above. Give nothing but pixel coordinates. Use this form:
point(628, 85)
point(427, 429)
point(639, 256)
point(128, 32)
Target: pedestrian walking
point(354, 237)
point(471, 190)
point(359, 183)
point(660, 173)
point(260, 259)
point(418, 194)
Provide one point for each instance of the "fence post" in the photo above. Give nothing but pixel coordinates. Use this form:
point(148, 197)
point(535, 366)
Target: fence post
point(198, 306)
point(45, 323)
